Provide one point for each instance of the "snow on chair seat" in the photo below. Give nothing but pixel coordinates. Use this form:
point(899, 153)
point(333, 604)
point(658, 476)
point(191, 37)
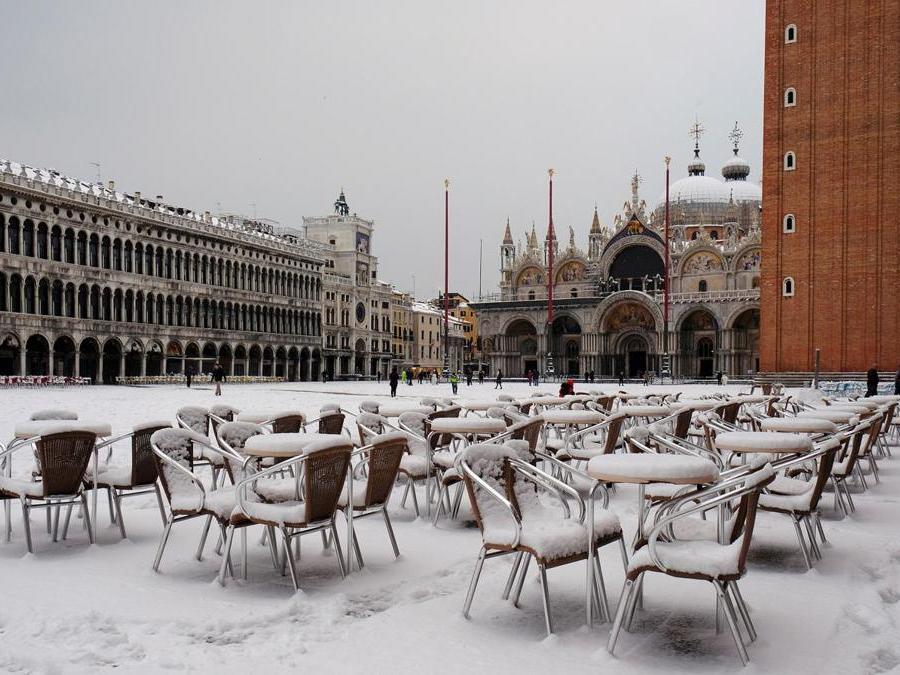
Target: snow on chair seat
point(653, 468)
point(836, 416)
point(805, 425)
point(759, 441)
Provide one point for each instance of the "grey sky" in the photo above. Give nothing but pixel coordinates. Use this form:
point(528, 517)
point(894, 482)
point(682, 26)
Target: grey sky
point(282, 103)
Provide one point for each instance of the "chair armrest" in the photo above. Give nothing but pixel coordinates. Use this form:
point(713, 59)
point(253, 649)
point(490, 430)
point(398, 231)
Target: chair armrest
point(483, 485)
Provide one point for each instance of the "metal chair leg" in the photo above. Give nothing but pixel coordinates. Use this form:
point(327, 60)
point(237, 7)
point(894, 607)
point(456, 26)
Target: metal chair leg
point(87, 517)
point(226, 552)
point(732, 622)
point(162, 543)
point(802, 543)
point(159, 502)
point(356, 550)
point(818, 523)
point(117, 501)
point(601, 587)
point(473, 582)
point(512, 575)
point(203, 535)
point(624, 600)
point(290, 558)
point(390, 529)
point(415, 499)
point(545, 591)
point(521, 582)
point(742, 608)
point(27, 524)
point(340, 553)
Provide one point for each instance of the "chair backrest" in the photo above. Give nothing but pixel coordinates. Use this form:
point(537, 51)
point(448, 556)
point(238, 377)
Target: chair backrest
point(745, 515)
point(143, 464)
point(288, 424)
point(369, 425)
point(415, 422)
point(330, 407)
point(178, 446)
point(613, 431)
point(826, 461)
point(194, 418)
point(729, 411)
point(683, 423)
point(331, 423)
point(220, 411)
point(323, 480)
point(487, 464)
point(63, 460)
point(383, 463)
point(443, 439)
point(234, 436)
point(529, 430)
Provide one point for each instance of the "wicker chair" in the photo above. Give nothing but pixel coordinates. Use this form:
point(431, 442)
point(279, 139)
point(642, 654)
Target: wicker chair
point(325, 465)
point(137, 477)
point(503, 490)
point(63, 458)
point(174, 451)
point(415, 464)
point(802, 505)
point(198, 420)
point(722, 564)
point(331, 422)
point(371, 484)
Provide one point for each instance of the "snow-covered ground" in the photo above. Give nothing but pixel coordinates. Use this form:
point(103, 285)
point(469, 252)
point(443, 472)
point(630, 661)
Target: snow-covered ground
point(72, 607)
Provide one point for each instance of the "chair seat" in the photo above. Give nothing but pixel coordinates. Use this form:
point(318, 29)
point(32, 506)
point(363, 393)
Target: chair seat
point(16, 487)
point(287, 514)
point(444, 459)
point(550, 536)
point(694, 528)
point(789, 486)
point(704, 559)
point(786, 503)
point(219, 503)
point(277, 490)
point(655, 491)
point(413, 465)
point(114, 475)
point(212, 457)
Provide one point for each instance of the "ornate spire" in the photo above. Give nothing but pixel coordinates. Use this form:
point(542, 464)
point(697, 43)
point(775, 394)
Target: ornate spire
point(571, 238)
point(507, 236)
point(736, 135)
point(697, 167)
point(341, 207)
point(532, 238)
point(595, 223)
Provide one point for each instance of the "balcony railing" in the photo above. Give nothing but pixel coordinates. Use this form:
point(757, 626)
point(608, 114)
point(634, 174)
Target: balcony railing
point(655, 296)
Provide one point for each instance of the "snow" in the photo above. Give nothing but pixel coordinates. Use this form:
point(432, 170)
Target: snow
point(555, 416)
point(761, 441)
point(468, 425)
point(72, 607)
point(653, 468)
point(53, 415)
point(29, 429)
point(808, 425)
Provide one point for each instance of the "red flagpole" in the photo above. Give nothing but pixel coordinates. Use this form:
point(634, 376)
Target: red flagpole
point(666, 287)
point(447, 274)
point(550, 256)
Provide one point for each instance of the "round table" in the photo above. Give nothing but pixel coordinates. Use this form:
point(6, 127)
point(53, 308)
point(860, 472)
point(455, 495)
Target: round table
point(481, 406)
point(762, 441)
point(397, 409)
point(882, 399)
point(43, 427)
point(543, 401)
point(853, 407)
point(836, 416)
point(260, 416)
point(645, 411)
point(569, 417)
point(697, 404)
point(801, 425)
point(287, 445)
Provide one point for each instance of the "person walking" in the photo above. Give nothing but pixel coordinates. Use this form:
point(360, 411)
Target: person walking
point(481, 376)
point(189, 375)
point(872, 381)
point(218, 376)
point(499, 381)
point(719, 378)
point(454, 382)
point(469, 378)
point(394, 379)
point(621, 378)
point(897, 382)
point(528, 376)
point(434, 378)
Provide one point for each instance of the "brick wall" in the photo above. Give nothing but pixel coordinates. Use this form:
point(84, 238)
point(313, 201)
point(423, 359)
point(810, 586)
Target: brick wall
point(845, 191)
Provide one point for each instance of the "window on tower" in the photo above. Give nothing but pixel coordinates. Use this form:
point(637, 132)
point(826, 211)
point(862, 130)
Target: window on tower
point(790, 224)
point(790, 160)
point(790, 34)
point(787, 287)
point(703, 286)
point(790, 97)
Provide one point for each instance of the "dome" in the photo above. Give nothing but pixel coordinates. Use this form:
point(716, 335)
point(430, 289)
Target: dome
point(736, 168)
point(698, 189)
point(743, 191)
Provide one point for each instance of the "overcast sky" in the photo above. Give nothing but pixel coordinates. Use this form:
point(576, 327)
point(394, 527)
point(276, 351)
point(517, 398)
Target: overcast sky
point(226, 105)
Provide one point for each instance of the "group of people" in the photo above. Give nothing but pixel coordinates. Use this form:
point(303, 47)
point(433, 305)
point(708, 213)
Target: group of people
point(406, 377)
point(216, 376)
point(872, 381)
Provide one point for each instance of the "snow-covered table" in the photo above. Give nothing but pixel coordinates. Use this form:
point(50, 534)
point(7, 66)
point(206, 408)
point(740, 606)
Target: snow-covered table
point(397, 409)
point(563, 417)
point(284, 445)
point(836, 416)
point(260, 416)
point(853, 407)
point(481, 406)
point(800, 425)
point(762, 441)
point(697, 404)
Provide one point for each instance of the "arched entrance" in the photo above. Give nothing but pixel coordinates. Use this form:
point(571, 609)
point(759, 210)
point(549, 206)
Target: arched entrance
point(240, 360)
point(134, 357)
point(268, 362)
point(299, 364)
point(225, 358)
point(10, 351)
point(64, 356)
point(210, 354)
point(112, 361)
point(37, 356)
point(359, 362)
point(566, 340)
point(316, 365)
point(89, 359)
point(255, 361)
point(520, 339)
point(154, 359)
point(745, 343)
point(698, 342)
point(192, 358)
point(635, 351)
point(281, 362)
point(174, 358)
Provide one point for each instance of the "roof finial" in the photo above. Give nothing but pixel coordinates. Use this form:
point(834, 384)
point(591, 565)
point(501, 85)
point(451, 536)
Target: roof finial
point(736, 135)
point(697, 131)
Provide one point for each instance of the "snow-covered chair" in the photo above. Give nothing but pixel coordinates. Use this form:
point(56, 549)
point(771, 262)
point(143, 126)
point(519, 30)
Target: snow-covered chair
point(597, 439)
point(369, 406)
point(324, 466)
point(174, 451)
point(846, 464)
point(799, 499)
point(196, 419)
point(330, 422)
point(510, 502)
point(722, 563)
point(371, 483)
point(136, 477)
point(63, 458)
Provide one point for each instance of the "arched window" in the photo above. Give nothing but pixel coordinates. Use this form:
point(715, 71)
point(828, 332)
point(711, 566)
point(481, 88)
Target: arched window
point(790, 34)
point(787, 287)
point(573, 293)
point(790, 223)
point(790, 97)
point(714, 235)
point(702, 286)
point(694, 236)
point(531, 295)
point(790, 160)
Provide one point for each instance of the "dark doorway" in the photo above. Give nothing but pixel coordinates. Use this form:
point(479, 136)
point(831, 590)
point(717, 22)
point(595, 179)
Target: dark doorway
point(637, 363)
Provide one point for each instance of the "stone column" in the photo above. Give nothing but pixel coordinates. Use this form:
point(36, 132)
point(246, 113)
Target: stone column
point(22, 360)
point(144, 364)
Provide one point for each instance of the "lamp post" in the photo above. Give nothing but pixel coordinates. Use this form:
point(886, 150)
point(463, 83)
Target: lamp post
point(666, 369)
point(446, 278)
point(550, 238)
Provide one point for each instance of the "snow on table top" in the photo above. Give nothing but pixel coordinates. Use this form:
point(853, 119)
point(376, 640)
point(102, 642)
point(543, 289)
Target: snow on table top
point(762, 441)
point(481, 405)
point(258, 416)
point(468, 425)
point(839, 416)
point(645, 410)
point(752, 398)
point(556, 416)
point(852, 407)
point(697, 404)
point(884, 399)
point(544, 400)
point(52, 414)
point(397, 409)
point(807, 425)
point(645, 467)
point(46, 427)
point(290, 445)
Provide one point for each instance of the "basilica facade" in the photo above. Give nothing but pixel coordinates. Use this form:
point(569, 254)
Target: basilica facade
point(609, 297)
